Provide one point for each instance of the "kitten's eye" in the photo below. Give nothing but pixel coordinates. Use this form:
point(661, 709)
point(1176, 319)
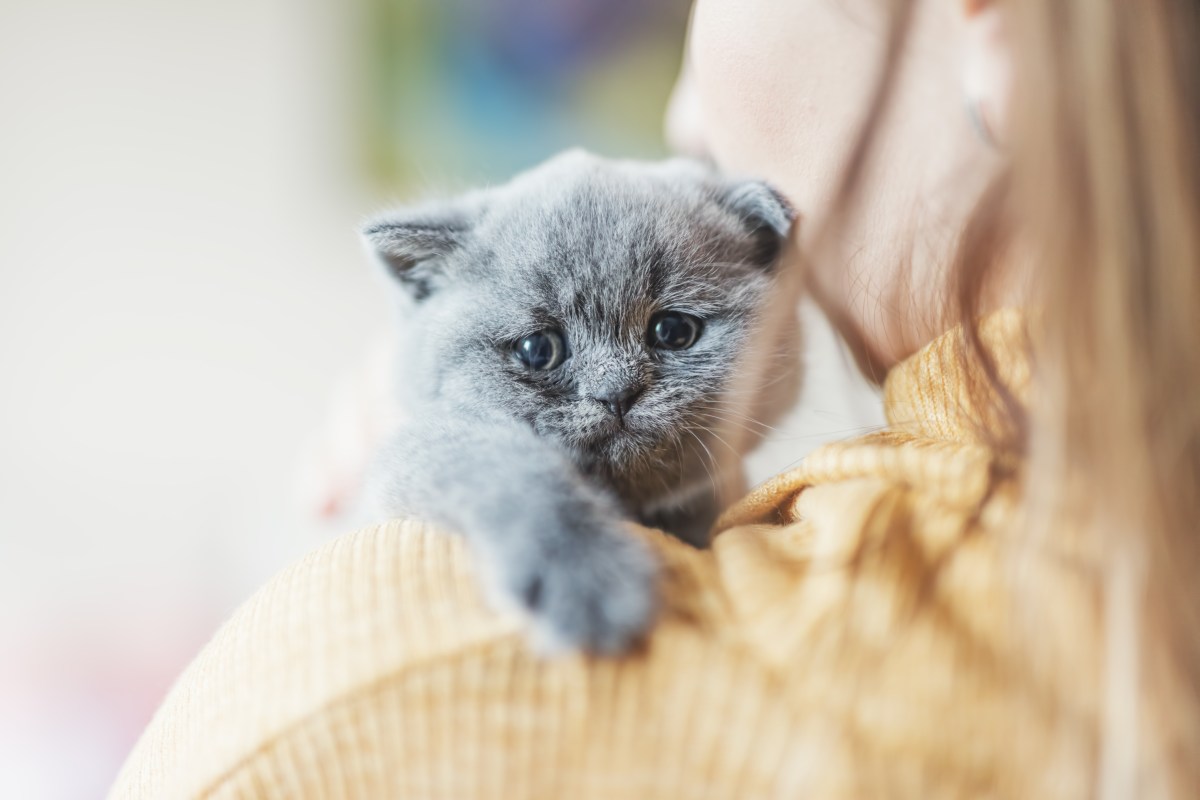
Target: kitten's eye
point(542, 350)
point(674, 330)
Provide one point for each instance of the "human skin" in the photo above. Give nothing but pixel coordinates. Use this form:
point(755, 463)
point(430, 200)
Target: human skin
point(779, 89)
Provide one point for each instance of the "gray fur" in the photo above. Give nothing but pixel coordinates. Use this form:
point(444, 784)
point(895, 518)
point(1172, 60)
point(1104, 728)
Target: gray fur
point(534, 470)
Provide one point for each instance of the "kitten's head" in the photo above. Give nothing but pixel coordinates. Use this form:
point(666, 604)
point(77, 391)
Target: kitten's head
point(608, 304)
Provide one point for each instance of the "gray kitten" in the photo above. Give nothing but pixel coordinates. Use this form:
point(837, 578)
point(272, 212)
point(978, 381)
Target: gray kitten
point(582, 346)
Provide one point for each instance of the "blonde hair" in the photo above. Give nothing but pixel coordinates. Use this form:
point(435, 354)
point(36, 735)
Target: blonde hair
point(1109, 140)
point(1104, 191)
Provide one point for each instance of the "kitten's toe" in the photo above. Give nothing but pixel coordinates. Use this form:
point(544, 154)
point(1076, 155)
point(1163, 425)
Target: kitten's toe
point(598, 594)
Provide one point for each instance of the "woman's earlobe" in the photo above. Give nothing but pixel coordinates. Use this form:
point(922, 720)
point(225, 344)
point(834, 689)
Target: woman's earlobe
point(986, 70)
point(978, 117)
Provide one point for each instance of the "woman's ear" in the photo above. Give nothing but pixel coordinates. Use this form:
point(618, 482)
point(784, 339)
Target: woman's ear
point(413, 243)
point(987, 68)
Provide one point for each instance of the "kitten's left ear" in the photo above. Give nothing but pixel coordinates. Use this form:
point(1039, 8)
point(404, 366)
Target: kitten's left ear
point(413, 243)
point(766, 214)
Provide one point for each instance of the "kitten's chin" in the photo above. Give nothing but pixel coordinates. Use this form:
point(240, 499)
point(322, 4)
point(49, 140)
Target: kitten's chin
point(612, 450)
point(638, 468)
point(608, 450)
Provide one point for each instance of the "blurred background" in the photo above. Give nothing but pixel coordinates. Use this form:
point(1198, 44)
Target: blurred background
point(181, 284)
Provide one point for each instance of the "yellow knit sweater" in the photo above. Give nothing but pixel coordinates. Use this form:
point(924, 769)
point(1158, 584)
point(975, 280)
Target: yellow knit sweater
point(851, 633)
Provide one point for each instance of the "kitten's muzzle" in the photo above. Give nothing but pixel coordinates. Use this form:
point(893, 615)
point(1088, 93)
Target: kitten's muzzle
point(619, 401)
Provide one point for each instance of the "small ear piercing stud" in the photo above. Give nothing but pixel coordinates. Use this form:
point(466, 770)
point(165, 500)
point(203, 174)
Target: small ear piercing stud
point(979, 122)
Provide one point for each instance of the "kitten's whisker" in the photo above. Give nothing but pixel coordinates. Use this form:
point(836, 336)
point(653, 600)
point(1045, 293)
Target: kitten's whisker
point(732, 424)
point(712, 480)
point(786, 435)
point(732, 449)
point(736, 418)
point(730, 415)
point(821, 434)
point(677, 442)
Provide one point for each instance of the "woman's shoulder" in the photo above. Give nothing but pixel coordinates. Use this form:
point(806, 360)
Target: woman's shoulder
point(374, 666)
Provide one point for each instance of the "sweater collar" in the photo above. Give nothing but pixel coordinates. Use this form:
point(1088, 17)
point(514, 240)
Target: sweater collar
point(941, 394)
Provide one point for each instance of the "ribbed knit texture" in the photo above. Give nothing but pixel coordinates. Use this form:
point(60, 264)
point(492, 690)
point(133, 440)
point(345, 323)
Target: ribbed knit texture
point(849, 634)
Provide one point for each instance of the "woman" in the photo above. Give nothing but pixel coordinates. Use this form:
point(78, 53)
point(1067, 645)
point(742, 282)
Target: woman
point(992, 597)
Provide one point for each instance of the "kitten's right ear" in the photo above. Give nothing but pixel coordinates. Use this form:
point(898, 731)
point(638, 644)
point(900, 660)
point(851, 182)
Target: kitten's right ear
point(412, 243)
point(766, 214)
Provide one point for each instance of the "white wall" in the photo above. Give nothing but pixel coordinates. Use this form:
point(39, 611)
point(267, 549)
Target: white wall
point(179, 283)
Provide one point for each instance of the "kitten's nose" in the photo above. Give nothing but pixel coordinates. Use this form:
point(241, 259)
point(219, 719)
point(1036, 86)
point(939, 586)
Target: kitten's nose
point(619, 401)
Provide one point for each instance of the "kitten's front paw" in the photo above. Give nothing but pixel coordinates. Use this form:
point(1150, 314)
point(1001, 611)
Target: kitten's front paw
point(593, 590)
